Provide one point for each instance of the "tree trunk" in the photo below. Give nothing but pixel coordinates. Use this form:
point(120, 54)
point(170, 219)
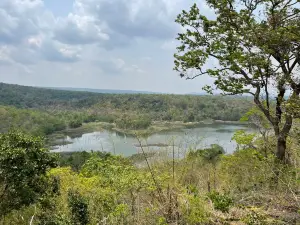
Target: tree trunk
point(281, 148)
point(282, 137)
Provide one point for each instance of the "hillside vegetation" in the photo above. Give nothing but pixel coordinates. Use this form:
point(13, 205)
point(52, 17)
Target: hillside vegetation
point(48, 110)
point(205, 187)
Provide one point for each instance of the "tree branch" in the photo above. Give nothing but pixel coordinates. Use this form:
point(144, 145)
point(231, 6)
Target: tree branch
point(203, 73)
point(287, 126)
point(297, 60)
point(261, 107)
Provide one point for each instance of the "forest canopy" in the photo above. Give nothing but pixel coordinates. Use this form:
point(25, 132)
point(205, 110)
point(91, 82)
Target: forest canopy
point(44, 111)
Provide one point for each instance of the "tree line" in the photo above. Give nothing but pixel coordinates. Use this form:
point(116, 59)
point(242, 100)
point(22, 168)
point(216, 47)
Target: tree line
point(44, 111)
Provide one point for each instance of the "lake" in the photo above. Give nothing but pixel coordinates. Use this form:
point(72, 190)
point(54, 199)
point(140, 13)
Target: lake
point(181, 140)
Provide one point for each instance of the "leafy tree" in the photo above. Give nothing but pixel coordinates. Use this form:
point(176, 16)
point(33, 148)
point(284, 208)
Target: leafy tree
point(256, 44)
point(23, 166)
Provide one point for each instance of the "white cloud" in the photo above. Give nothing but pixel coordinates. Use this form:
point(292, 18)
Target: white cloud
point(123, 44)
point(134, 69)
point(169, 45)
point(117, 66)
point(25, 30)
point(34, 41)
point(20, 19)
point(79, 29)
point(4, 55)
point(40, 48)
point(118, 21)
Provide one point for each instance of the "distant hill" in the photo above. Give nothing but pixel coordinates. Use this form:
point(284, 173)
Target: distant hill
point(34, 97)
point(104, 91)
point(197, 93)
point(166, 107)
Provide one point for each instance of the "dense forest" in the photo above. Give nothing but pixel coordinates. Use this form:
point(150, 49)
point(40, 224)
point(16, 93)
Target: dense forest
point(44, 111)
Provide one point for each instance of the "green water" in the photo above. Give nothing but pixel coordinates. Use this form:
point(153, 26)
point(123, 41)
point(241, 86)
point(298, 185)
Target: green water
point(200, 137)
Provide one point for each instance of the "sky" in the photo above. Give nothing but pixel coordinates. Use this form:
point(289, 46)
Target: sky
point(102, 44)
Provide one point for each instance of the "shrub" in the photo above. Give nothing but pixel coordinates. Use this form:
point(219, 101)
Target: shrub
point(75, 123)
point(255, 218)
point(24, 163)
point(106, 118)
point(133, 122)
point(236, 175)
point(221, 202)
point(78, 207)
point(90, 118)
point(194, 211)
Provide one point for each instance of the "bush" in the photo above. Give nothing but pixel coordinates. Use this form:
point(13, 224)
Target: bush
point(75, 123)
point(194, 211)
point(255, 218)
point(90, 118)
point(101, 118)
point(77, 159)
point(78, 207)
point(133, 123)
point(48, 213)
point(221, 202)
point(141, 123)
point(190, 117)
point(236, 175)
point(106, 118)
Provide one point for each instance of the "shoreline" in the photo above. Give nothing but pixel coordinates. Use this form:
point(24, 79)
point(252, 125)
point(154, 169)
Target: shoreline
point(155, 128)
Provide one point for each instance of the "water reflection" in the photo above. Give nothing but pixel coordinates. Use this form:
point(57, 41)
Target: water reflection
point(179, 141)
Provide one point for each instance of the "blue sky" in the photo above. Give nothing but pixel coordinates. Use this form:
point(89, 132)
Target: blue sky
point(107, 44)
point(59, 7)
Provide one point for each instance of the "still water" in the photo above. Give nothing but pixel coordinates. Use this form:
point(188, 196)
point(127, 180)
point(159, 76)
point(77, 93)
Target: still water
point(181, 140)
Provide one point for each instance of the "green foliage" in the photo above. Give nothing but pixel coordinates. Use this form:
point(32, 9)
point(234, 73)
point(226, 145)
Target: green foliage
point(208, 158)
point(211, 154)
point(65, 106)
point(194, 212)
point(108, 164)
point(255, 217)
point(243, 138)
point(48, 213)
point(100, 118)
point(221, 202)
point(33, 121)
point(136, 123)
point(235, 170)
point(77, 159)
point(243, 57)
point(254, 54)
point(79, 208)
point(23, 166)
point(75, 123)
point(162, 221)
point(110, 189)
point(49, 218)
point(98, 188)
point(30, 97)
point(256, 117)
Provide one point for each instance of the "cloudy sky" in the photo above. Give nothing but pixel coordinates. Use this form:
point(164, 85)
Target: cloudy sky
point(104, 44)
